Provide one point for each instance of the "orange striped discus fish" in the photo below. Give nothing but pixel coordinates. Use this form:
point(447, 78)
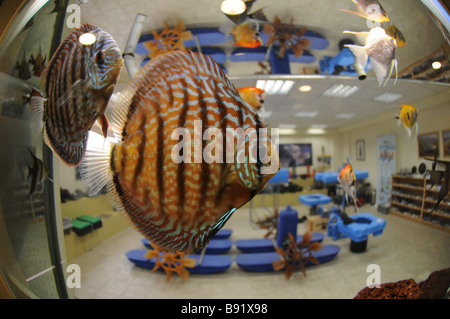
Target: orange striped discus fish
point(176, 204)
point(347, 179)
point(77, 84)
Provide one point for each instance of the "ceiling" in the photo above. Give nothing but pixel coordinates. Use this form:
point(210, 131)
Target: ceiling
point(321, 16)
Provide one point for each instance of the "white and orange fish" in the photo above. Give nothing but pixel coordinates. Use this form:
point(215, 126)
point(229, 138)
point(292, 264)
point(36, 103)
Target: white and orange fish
point(380, 48)
point(246, 36)
point(408, 117)
point(347, 179)
point(77, 84)
point(369, 9)
point(253, 96)
point(177, 203)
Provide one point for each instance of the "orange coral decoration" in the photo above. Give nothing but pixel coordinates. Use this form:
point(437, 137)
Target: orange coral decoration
point(168, 39)
point(287, 36)
point(270, 223)
point(296, 255)
point(171, 262)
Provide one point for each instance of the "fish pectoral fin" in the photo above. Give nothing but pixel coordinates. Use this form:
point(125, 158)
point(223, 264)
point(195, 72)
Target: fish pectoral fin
point(360, 53)
point(379, 69)
point(103, 122)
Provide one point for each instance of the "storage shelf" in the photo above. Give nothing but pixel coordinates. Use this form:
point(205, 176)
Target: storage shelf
point(410, 199)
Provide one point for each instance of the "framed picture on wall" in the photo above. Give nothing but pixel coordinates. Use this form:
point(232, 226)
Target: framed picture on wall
point(360, 150)
point(293, 155)
point(428, 144)
point(446, 142)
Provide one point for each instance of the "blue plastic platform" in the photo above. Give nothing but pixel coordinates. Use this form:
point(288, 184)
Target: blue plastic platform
point(263, 261)
point(314, 199)
point(224, 233)
point(358, 231)
point(265, 245)
point(215, 246)
point(211, 264)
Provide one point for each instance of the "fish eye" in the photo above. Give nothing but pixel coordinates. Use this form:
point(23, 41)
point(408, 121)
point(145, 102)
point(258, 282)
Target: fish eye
point(100, 57)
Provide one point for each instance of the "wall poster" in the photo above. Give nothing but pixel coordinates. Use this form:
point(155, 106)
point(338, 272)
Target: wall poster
point(386, 168)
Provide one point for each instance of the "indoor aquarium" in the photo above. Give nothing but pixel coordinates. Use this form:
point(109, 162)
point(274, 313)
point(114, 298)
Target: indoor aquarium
point(224, 149)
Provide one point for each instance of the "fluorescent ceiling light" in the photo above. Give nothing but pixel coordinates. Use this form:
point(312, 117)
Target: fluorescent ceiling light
point(273, 87)
point(319, 126)
point(287, 125)
point(345, 115)
point(341, 90)
point(315, 131)
point(306, 114)
point(388, 97)
point(287, 131)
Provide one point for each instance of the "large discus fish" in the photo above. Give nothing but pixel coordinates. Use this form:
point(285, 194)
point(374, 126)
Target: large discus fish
point(190, 152)
point(77, 84)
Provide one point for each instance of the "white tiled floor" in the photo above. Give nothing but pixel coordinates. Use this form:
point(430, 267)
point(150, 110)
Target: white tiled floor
point(405, 250)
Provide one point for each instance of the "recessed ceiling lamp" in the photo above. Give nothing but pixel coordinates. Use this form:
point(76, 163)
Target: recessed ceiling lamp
point(274, 87)
point(436, 65)
point(87, 38)
point(345, 115)
point(388, 97)
point(310, 114)
point(235, 10)
point(341, 90)
point(305, 88)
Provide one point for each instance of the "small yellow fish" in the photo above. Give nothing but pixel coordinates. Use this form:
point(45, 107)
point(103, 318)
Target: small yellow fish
point(408, 117)
point(380, 48)
point(347, 179)
point(77, 84)
point(253, 96)
point(395, 33)
point(245, 36)
point(369, 9)
point(175, 202)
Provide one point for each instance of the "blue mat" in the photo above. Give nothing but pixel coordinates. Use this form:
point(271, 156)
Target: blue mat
point(266, 244)
point(224, 233)
point(263, 261)
point(211, 263)
point(215, 246)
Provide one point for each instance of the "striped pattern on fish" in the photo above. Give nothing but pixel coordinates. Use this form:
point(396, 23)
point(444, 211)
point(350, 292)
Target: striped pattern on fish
point(77, 84)
point(180, 206)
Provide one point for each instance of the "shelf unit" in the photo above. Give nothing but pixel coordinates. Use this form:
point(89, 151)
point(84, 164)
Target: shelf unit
point(413, 198)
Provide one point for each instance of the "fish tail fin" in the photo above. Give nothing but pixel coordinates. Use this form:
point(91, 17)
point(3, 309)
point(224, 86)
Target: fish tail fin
point(353, 12)
point(95, 167)
point(360, 53)
point(37, 103)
